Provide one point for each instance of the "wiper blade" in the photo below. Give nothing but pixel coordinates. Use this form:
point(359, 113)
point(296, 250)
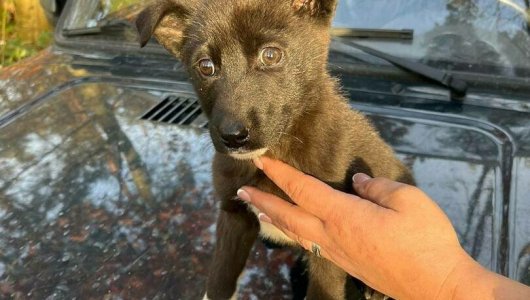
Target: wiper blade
point(368, 33)
point(101, 27)
point(445, 78)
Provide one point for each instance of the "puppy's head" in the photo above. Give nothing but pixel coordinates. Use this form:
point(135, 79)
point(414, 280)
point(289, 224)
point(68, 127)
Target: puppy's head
point(254, 63)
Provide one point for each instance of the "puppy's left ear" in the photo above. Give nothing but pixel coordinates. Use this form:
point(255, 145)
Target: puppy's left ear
point(166, 20)
point(320, 9)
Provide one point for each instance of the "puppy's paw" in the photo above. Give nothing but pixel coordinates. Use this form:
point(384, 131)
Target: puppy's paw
point(371, 294)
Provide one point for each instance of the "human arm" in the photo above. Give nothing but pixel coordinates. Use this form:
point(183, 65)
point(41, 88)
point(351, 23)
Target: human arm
point(393, 237)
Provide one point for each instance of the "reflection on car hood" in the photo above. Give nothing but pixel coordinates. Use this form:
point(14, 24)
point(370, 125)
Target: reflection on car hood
point(95, 201)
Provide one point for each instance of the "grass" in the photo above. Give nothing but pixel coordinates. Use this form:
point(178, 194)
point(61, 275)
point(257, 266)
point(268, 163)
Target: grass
point(119, 4)
point(24, 30)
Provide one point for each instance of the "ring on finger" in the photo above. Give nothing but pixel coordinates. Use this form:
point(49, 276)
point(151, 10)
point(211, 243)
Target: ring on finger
point(315, 249)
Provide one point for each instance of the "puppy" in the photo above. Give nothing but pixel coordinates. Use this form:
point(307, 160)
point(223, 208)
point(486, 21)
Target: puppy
point(260, 71)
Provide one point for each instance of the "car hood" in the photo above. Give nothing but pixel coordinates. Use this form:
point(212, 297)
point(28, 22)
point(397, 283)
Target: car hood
point(95, 200)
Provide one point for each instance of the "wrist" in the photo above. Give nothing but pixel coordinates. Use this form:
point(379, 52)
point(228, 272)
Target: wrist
point(462, 278)
point(467, 280)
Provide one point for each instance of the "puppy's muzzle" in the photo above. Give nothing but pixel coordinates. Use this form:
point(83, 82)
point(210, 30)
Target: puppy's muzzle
point(234, 135)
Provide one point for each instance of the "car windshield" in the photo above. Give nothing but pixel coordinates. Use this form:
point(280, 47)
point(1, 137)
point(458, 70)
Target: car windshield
point(487, 36)
point(484, 36)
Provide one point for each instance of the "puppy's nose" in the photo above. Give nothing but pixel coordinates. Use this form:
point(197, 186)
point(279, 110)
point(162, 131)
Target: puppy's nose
point(234, 135)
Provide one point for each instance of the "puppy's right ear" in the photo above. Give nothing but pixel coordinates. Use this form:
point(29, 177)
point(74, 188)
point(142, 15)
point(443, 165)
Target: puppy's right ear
point(166, 20)
point(319, 9)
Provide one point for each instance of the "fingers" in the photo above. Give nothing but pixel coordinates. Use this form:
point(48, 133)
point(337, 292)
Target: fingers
point(333, 254)
point(305, 243)
point(297, 224)
point(285, 214)
point(306, 191)
point(385, 192)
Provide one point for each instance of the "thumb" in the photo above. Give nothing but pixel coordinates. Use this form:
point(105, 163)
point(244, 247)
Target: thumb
point(385, 192)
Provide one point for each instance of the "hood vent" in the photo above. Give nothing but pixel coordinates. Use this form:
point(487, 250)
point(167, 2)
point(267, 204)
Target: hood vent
point(177, 110)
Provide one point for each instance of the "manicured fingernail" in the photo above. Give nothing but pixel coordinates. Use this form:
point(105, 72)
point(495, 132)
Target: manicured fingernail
point(258, 163)
point(243, 195)
point(360, 178)
point(264, 218)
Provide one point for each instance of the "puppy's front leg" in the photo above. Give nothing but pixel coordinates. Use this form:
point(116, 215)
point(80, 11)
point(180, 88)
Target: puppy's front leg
point(326, 281)
point(237, 229)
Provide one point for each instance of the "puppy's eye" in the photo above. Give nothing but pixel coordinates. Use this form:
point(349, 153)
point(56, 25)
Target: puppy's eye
point(206, 67)
point(270, 56)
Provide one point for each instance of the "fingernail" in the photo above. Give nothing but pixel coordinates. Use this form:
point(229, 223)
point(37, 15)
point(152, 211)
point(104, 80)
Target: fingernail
point(264, 218)
point(243, 195)
point(360, 178)
point(258, 163)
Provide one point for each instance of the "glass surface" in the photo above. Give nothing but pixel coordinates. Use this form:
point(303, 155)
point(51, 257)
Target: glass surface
point(486, 36)
point(87, 14)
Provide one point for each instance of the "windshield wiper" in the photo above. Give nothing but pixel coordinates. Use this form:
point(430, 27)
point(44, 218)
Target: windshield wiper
point(102, 26)
point(442, 77)
point(369, 33)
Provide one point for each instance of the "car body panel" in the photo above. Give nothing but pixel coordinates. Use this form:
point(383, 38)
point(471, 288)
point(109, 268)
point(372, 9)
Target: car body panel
point(95, 202)
point(86, 186)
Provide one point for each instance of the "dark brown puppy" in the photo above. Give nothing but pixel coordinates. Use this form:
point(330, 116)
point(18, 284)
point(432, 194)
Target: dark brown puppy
point(260, 70)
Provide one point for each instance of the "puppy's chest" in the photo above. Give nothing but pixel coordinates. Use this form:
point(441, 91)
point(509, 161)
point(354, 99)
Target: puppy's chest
point(269, 231)
point(259, 180)
point(266, 185)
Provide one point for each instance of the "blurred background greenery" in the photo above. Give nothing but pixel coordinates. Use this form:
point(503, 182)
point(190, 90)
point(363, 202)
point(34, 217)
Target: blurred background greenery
point(24, 30)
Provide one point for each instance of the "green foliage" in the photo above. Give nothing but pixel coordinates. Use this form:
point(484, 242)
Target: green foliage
point(12, 48)
point(119, 4)
point(16, 49)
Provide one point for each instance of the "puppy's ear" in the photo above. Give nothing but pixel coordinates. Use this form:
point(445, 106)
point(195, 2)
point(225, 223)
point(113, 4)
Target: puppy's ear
point(167, 21)
point(320, 9)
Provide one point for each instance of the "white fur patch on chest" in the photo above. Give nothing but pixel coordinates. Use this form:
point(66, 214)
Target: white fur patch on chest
point(270, 231)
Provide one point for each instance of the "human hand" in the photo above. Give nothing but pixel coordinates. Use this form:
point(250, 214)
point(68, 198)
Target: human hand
point(393, 237)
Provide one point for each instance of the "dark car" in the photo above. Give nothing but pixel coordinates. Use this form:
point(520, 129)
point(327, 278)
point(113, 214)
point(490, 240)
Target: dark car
point(52, 9)
point(105, 188)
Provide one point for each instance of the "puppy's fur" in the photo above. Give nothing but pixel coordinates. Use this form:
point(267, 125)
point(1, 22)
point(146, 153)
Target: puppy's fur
point(293, 110)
